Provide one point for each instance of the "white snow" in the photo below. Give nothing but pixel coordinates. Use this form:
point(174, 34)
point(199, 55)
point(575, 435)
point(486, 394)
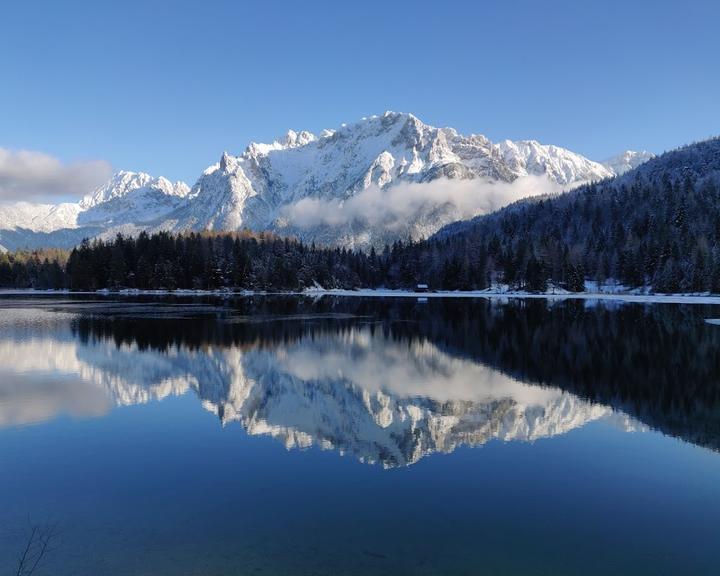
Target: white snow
point(126, 203)
point(124, 183)
point(38, 217)
point(627, 161)
point(558, 295)
point(563, 166)
point(258, 189)
point(388, 293)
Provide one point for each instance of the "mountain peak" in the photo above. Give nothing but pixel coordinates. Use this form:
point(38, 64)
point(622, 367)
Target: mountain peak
point(398, 115)
point(129, 199)
point(291, 139)
point(325, 188)
point(120, 184)
point(294, 139)
point(225, 160)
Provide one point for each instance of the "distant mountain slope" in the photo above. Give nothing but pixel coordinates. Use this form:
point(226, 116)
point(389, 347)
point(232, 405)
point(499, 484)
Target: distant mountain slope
point(132, 197)
point(655, 226)
point(627, 161)
point(128, 202)
point(371, 182)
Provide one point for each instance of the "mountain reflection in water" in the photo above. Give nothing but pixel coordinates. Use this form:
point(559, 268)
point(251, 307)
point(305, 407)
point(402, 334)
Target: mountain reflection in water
point(384, 382)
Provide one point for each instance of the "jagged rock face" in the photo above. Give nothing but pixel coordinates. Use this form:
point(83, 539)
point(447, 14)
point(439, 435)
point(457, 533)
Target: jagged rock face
point(257, 189)
point(377, 400)
point(132, 198)
point(262, 188)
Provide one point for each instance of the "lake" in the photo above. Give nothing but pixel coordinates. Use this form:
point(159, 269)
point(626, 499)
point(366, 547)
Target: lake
point(293, 435)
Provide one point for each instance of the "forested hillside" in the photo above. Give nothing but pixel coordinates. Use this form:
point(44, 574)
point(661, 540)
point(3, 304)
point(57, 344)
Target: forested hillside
point(42, 269)
point(656, 226)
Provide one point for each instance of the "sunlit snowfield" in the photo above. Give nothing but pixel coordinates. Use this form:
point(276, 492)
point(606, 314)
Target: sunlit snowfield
point(360, 436)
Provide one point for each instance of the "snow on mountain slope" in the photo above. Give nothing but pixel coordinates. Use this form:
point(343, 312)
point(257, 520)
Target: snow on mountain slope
point(627, 161)
point(366, 183)
point(560, 165)
point(132, 198)
point(38, 217)
point(339, 187)
point(128, 199)
point(123, 184)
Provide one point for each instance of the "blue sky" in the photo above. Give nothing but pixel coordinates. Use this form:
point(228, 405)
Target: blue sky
point(165, 87)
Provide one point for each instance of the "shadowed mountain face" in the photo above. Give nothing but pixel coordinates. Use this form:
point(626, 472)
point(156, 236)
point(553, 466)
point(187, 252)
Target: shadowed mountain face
point(387, 382)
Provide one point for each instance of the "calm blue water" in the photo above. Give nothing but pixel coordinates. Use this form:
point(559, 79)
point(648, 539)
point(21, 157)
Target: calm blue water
point(292, 436)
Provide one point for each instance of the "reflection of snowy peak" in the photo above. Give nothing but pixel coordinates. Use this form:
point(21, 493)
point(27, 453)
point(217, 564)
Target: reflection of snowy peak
point(426, 402)
point(418, 400)
point(379, 427)
point(261, 189)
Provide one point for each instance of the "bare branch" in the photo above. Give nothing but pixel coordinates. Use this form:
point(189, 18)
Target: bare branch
point(36, 548)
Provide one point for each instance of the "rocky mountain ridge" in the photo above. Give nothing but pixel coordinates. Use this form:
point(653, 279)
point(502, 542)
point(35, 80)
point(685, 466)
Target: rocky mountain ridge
point(366, 183)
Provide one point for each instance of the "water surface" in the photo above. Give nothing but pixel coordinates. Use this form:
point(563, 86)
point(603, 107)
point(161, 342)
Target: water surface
point(349, 436)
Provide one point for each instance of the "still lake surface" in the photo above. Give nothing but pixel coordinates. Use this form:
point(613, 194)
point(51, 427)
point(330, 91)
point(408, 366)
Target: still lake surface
point(290, 435)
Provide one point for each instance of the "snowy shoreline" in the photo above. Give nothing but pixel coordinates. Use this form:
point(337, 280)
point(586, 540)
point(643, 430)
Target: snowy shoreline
point(383, 293)
point(616, 296)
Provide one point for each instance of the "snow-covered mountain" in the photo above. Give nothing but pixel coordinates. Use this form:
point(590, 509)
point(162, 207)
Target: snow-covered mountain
point(132, 196)
point(366, 183)
point(128, 202)
point(38, 217)
point(346, 186)
point(627, 161)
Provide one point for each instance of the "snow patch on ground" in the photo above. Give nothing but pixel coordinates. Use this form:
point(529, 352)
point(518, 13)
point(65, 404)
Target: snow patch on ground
point(558, 295)
point(317, 291)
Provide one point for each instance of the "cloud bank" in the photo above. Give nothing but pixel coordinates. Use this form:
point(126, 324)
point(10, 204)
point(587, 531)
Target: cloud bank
point(36, 176)
point(395, 206)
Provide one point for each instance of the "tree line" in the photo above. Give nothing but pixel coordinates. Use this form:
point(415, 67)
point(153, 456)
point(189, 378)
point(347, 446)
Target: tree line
point(40, 269)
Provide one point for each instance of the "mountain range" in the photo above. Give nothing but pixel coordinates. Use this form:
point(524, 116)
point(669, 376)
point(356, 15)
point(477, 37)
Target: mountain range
point(367, 183)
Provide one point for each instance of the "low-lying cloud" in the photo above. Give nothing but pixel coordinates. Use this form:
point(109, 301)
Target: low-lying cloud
point(36, 176)
point(395, 206)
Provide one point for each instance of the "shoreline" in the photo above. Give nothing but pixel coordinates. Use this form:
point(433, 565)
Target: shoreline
point(610, 296)
point(383, 293)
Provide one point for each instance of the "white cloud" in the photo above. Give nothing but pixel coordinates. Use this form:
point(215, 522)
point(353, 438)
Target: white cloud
point(393, 207)
point(32, 176)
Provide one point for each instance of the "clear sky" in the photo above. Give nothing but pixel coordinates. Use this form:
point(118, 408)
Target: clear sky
point(165, 87)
